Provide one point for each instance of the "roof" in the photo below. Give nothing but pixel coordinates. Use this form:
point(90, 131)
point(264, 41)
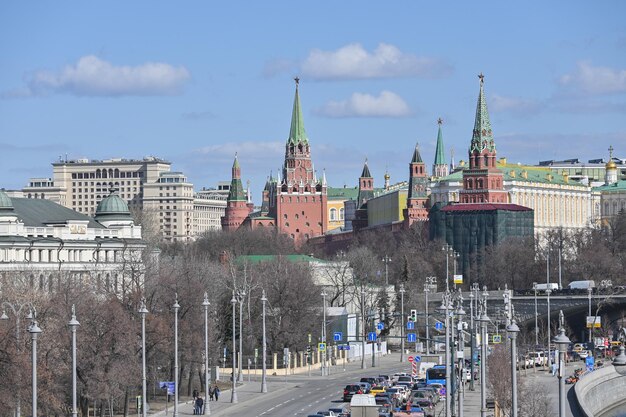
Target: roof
point(297, 133)
point(342, 193)
point(484, 207)
point(112, 205)
point(39, 213)
point(440, 157)
point(417, 158)
point(5, 201)
point(254, 259)
point(482, 137)
point(366, 171)
point(618, 187)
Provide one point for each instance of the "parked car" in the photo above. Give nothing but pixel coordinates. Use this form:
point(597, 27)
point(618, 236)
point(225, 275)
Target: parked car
point(350, 390)
point(366, 387)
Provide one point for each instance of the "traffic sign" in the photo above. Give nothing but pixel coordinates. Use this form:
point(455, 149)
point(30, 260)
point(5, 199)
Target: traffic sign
point(411, 337)
point(371, 337)
point(170, 386)
point(496, 338)
point(337, 336)
point(438, 325)
point(346, 347)
point(589, 362)
point(321, 347)
point(410, 358)
point(417, 358)
point(410, 325)
point(380, 326)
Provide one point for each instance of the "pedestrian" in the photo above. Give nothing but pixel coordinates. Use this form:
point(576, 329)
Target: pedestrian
point(195, 393)
point(198, 406)
point(211, 393)
point(216, 392)
point(554, 368)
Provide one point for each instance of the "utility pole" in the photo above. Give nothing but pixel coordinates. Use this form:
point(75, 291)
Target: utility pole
point(386, 261)
point(402, 291)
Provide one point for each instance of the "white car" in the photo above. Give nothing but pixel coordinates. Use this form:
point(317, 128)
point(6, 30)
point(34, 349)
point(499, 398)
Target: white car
point(583, 354)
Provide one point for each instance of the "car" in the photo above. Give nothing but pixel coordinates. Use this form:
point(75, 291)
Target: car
point(439, 388)
point(381, 380)
point(583, 354)
point(384, 398)
point(327, 413)
point(424, 400)
point(370, 380)
point(350, 390)
point(384, 411)
point(405, 378)
point(378, 389)
point(340, 411)
point(366, 387)
point(434, 392)
point(398, 392)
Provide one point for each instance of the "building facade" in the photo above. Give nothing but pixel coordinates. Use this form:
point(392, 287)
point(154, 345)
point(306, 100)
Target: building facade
point(47, 246)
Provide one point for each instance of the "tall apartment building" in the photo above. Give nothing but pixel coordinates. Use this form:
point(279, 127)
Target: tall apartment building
point(147, 185)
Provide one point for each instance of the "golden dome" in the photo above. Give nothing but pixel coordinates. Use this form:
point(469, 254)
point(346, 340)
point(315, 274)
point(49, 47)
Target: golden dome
point(611, 165)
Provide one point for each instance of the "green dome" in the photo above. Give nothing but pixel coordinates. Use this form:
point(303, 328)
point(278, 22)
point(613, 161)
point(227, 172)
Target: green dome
point(112, 205)
point(5, 201)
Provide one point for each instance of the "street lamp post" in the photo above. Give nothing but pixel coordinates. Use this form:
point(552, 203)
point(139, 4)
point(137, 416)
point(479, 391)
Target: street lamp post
point(386, 261)
point(536, 317)
point(447, 248)
point(207, 382)
point(562, 342)
point(233, 392)
point(73, 324)
point(143, 311)
point(34, 331)
point(402, 291)
point(264, 371)
point(513, 330)
point(176, 307)
point(589, 291)
point(431, 283)
point(241, 295)
point(445, 308)
point(363, 332)
point(17, 312)
point(324, 354)
point(548, 292)
point(484, 320)
point(460, 313)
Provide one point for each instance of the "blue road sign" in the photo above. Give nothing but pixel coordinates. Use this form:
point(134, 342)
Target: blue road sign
point(438, 325)
point(339, 347)
point(337, 336)
point(411, 337)
point(169, 385)
point(380, 326)
point(371, 337)
point(410, 325)
point(417, 358)
point(346, 347)
point(589, 361)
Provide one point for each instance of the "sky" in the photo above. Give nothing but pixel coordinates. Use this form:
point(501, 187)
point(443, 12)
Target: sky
point(194, 82)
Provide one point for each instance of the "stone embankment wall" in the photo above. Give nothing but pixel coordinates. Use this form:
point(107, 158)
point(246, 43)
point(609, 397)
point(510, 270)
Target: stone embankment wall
point(601, 391)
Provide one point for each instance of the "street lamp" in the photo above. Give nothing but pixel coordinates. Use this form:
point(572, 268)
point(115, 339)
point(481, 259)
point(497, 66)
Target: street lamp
point(431, 283)
point(445, 308)
point(483, 319)
point(17, 312)
point(143, 311)
point(536, 317)
point(386, 261)
point(402, 291)
point(589, 291)
point(363, 331)
point(206, 304)
point(263, 373)
point(34, 331)
point(241, 295)
point(548, 292)
point(512, 329)
point(562, 342)
point(460, 313)
point(73, 324)
point(447, 248)
point(324, 355)
point(233, 394)
point(176, 307)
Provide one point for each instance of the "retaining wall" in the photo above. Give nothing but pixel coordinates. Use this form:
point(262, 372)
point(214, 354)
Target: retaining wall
point(600, 391)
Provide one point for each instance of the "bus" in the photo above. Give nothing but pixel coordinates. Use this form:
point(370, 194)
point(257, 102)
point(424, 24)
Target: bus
point(436, 375)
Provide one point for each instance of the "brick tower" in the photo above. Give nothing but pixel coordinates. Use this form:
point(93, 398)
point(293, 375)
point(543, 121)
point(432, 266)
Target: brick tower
point(366, 192)
point(482, 182)
point(301, 201)
point(237, 207)
point(417, 199)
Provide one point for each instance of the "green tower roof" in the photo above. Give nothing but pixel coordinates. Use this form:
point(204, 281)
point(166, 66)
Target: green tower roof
point(112, 207)
point(417, 158)
point(236, 187)
point(482, 137)
point(297, 133)
point(440, 158)
point(5, 202)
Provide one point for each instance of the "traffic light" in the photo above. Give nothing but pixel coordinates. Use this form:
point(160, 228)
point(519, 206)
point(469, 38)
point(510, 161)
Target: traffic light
point(413, 316)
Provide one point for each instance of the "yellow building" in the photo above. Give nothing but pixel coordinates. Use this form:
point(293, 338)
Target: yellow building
point(387, 206)
point(336, 210)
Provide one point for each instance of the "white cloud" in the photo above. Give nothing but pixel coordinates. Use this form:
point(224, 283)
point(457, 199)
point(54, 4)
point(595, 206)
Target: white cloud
point(248, 149)
point(354, 62)
point(518, 105)
point(387, 104)
point(92, 76)
point(588, 79)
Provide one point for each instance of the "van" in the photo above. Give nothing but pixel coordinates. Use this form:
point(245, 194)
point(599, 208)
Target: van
point(581, 285)
point(538, 358)
point(553, 286)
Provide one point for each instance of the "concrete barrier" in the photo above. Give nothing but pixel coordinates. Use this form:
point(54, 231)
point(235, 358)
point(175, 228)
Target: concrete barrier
point(600, 391)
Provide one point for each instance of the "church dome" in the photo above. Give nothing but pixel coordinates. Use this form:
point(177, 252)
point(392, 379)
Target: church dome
point(611, 165)
point(5, 202)
point(112, 206)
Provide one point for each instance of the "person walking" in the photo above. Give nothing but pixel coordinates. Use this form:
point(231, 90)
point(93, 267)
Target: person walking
point(211, 393)
point(195, 393)
point(216, 392)
point(198, 406)
point(554, 368)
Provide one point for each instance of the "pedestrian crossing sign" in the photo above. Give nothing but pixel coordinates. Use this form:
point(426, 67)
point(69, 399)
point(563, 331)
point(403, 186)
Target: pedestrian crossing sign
point(496, 338)
point(321, 347)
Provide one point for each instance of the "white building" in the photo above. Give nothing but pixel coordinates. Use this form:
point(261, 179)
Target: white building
point(48, 246)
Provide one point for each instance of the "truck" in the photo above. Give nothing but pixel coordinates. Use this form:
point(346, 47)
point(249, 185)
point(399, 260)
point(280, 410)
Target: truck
point(363, 405)
point(553, 286)
point(582, 285)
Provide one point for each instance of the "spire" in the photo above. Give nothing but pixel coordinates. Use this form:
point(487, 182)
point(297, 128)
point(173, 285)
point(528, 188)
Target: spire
point(482, 137)
point(297, 133)
point(440, 158)
point(248, 193)
point(452, 164)
point(236, 188)
point(324, 177)
point(366, 171)
point(417, 158)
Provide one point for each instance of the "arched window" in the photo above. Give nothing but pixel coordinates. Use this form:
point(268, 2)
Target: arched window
point(333, 214)
point(341, 213)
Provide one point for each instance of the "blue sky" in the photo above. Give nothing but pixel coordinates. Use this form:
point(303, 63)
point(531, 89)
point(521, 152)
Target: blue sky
point(194, 82)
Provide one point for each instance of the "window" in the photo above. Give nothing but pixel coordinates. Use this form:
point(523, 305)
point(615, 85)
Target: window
point(333, 214)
